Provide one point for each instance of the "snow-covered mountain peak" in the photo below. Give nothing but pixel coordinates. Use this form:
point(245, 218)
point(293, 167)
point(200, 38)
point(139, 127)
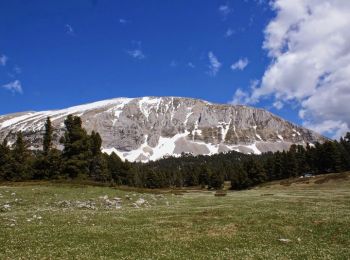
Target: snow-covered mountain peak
point(149, 128)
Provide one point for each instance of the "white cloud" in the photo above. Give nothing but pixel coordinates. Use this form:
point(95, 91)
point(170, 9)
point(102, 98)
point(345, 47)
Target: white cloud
point(225, 10)
point(214, 65)
point(173, 63)
point(123, 21)
point(3, 60)
point(17, 69)
point(334, 128)
point(308, 42)
point(278, 104)
point(137, 54)
point(229, 32)
point(69, 29)
point(14, 87)
point(240, 64)
point(242, 97)
point(191, 65)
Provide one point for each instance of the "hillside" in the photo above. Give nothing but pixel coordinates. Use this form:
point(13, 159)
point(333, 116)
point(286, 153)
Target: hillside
point(149, 128)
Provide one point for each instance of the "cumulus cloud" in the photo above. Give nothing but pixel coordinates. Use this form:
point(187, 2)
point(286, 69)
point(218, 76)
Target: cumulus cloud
point(69, 29)
point(3, 60)
point(123, 21)
point(308, 43)
point(242, 97)
point(137, 54)
point(173, 63)
point(214, 64)
point(191, 65)
point(17, 69)
point(240, 64)
point(14, 87)
point(278, 105)
point(229, 32)
point(224, 10)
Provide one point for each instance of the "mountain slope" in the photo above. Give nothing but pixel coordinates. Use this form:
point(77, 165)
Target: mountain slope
point(148, 128)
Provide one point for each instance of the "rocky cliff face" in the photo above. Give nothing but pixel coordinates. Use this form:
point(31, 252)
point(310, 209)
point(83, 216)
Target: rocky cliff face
point(149, 128)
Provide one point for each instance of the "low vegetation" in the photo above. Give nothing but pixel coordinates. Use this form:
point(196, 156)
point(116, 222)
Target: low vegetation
point(81, 159)
point(302, 218)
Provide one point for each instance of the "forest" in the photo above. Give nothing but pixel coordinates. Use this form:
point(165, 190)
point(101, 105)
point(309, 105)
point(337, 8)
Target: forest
point(82, 159)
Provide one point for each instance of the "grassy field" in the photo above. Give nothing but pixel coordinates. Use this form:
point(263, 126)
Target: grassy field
point(298, 219)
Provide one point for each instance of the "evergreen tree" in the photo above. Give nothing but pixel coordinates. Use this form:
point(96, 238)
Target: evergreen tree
point(216, 179)
point(278, 170)
point(346, 142)
point(76, 152)
point(47, 140)
point(115, 169)
point(98, 163)
point(291, 168)
point(5, 160)
point(21, 164)
point(239, 179)
point(255, 171)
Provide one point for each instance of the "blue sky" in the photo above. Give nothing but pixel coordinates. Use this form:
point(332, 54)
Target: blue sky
point(55, 54)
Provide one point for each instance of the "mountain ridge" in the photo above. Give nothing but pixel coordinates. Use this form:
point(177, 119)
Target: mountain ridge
point(149, 128)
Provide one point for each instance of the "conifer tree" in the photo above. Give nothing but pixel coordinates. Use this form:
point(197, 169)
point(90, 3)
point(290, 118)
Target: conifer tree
point(47, 140)
point(48, 163)
point(115, 168)
point(239, 179)
point(21, 165)
point(5, 160)
point(76, 152)
point(98, 164)
point(216, 179)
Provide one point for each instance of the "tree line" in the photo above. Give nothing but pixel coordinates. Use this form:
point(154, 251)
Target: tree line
point(81, 158)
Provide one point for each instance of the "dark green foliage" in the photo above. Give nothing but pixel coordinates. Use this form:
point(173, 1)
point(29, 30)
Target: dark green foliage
point(216, 179)
point(48, 166)
point(82, 158)
point(47, 140)
point(76, 153)
point(98, 163)
point(5, 161)
point(239, 179)
point(21, 161)
point(118, 170)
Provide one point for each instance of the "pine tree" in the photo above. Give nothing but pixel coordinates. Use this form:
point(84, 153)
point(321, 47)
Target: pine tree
point(21, 166)
point(5, 160)
point(239, 178)
point(115, 168)
point(277, 166)
point(76, 152)
point(47, 140)
point(346, 142)
point(255, 171)
point(216, 179)
point(98, 163)
point(291, 162)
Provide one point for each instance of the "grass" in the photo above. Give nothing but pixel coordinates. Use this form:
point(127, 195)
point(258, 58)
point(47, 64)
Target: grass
point(50, 221)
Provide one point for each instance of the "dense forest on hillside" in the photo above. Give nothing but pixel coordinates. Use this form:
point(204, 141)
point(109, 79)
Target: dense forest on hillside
point(82, 159)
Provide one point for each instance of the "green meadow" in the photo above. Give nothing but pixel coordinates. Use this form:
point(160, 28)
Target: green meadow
point(291, 219)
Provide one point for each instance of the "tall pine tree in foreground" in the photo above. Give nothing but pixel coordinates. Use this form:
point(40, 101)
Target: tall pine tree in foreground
point(98, 163)
point(48, 162)
point(76, 152)
point(21, 160)
point(5, 161)
point(47, 142)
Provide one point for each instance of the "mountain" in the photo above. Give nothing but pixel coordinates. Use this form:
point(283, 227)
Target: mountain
point(149, 128)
